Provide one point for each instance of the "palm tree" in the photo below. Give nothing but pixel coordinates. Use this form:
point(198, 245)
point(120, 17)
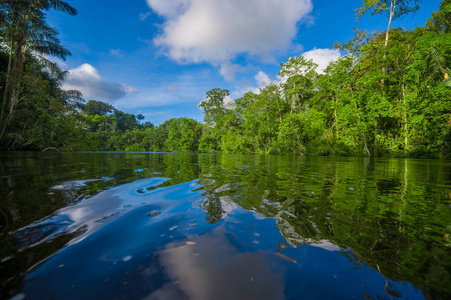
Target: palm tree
point(436, 60)
point(27, 33)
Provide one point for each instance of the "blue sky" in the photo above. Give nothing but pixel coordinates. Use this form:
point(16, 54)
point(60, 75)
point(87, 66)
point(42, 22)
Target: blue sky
point(160, 57)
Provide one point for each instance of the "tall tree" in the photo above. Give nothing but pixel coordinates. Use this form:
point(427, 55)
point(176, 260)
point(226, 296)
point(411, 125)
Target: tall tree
point(27, 33)
point(94, 107)
point(298, 75)
point(394, 9)
point(214, 105)
point(441, 19)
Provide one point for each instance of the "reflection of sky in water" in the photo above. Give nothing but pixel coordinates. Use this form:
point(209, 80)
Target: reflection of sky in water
point(213, 268)
point(225, 227)
point(177, 254)
point(92, 212)
point(310, 227)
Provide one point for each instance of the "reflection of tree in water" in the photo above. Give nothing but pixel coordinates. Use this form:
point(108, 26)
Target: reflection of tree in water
point(379, 212)
point(17, 259)
point(35, 185)
point(216, 204)
point(213, 209)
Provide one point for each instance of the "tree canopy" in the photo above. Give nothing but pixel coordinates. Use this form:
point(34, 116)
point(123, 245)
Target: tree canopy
point(378, 99)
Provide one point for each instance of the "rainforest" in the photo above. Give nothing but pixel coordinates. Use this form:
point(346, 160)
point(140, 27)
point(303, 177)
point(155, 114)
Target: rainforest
point(326, 182)
point(388, 96)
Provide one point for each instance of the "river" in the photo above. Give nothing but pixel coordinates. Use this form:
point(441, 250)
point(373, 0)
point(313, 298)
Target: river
point(205, 226)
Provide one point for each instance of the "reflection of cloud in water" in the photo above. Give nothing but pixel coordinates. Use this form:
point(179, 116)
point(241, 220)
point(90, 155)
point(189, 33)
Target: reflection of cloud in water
point(227, 205)
point(223, 188)
point(325, 244)
point(89, 213)
point(214, 269)
point(75, 184)
point(78, 213)
point(294, 239)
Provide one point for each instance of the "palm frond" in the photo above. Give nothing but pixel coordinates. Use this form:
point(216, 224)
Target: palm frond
point(52, 67)
point(436, 56)
point(72, 98)
point(61, 6)
point(52, 49)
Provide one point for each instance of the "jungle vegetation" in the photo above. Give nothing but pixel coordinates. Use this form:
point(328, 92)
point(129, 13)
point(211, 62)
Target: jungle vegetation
point(390, 95)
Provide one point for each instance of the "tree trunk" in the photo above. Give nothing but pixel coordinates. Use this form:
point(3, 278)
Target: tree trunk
point(12, 95)
point(278, 107)
point(7, 83)
point(405, 127)
point(392, 12)
point(363, 131)
point(390, 19)
point(361, 125)
point(336, 116)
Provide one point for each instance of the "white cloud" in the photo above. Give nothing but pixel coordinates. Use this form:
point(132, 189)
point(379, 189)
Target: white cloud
point(115, 52)
point(183, 89)
point(228, 70)
point(169, 9)
point(87, 80)
point(60, 63)
point(216, 31)
point(262, 79)
point(322, 57)
point(143, 16)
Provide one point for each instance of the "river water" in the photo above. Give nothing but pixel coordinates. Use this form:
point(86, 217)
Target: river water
point(200, 226)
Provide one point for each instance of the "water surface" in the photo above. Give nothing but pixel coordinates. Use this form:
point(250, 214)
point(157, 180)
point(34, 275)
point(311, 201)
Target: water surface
point(193, 226)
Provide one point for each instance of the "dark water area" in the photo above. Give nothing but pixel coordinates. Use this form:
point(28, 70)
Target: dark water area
point(198, 226)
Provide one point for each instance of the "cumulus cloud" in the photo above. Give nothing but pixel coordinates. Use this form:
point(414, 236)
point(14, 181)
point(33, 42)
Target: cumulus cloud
point(228, 70)
point(216, 31)
point(87, 80)
point(262, 79)
point(322, 57)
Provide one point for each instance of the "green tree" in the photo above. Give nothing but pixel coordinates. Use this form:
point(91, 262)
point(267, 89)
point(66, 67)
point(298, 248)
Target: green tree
point(298, 75)
point(140, 117)
point(183, 135)
point(214, 105)
point(94, 107)
point(125, 121)
point(214, 110)
point(27, 33)
point(394, 9)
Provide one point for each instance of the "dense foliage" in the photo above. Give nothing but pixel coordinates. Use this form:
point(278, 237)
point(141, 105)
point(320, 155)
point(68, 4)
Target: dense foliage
point(389, 96)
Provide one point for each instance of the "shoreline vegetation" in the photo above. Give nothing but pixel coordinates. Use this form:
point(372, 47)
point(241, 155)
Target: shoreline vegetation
point(389, 96)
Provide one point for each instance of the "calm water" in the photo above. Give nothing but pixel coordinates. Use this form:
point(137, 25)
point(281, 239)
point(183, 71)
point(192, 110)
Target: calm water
point(188, 226)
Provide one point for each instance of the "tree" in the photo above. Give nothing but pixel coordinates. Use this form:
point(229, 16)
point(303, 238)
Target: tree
point(94, 107)
point(140, 117)
point(394, 9)
point(27, 33)
point(440, 20)
point(125, 121)
point(214, 105)
point(214, 110)
point(183, 135)
point(298, 74)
